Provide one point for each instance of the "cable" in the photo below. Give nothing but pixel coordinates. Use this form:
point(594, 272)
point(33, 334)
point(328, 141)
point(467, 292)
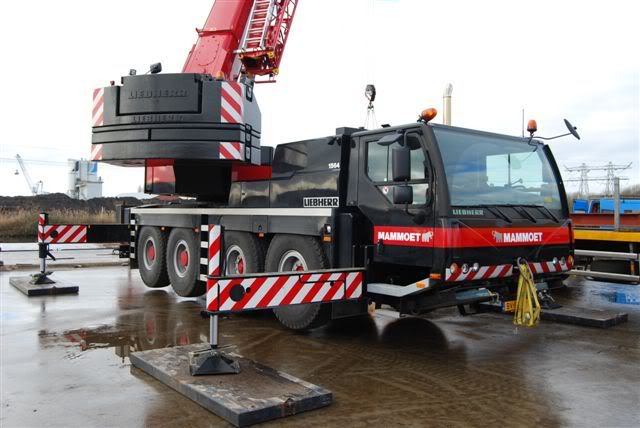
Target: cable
point(371, 122)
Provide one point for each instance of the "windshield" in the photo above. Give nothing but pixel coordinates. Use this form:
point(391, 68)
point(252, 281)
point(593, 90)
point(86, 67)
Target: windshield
point(493, 170)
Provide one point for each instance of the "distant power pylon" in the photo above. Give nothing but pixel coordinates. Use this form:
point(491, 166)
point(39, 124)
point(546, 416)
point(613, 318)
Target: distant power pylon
point(609, 179)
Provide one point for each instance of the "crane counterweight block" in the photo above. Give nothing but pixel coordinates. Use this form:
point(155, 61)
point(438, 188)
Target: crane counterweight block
point(181, 117)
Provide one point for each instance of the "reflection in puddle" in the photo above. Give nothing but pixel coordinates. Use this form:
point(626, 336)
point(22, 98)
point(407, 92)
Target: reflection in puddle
point(626, 298)
point(149, 321)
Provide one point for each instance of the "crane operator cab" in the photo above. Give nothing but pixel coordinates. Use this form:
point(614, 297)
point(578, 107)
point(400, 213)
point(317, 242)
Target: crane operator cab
point(454, 208)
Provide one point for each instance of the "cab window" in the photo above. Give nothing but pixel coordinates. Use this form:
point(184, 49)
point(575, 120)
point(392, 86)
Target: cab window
point(379, 170)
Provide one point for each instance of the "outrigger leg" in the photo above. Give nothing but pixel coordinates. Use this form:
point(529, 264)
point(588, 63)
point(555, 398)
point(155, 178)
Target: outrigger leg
point(212, 361)
point(42, 277)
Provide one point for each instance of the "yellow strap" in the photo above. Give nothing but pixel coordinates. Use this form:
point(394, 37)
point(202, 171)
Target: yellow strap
point(527, 306)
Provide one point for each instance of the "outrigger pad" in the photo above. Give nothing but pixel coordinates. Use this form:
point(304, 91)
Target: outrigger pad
point(26, 285)
point(588, 317)
point(256, 394)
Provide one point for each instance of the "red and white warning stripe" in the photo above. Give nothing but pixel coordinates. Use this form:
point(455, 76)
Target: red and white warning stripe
point(538, 268)
point(96, 152)
point(62, 233)
point(231, 150)
point(215, 241)
point(98, 107)
point(231, 104)
point(485, 272)
point(42, 221)
point(261, 292)
point(214, 253)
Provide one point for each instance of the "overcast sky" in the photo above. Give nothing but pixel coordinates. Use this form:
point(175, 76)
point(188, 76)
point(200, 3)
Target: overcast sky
point(555, 59)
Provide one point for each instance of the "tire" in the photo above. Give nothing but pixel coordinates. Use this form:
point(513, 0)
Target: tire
point(281, 257)
point(151, 250)
point(183, 262)
point(243, 254)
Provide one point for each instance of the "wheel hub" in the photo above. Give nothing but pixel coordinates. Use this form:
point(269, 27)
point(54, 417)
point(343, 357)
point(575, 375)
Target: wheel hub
point(235, 261)
point(181, 258)
point(149, 253)
point(292, 260)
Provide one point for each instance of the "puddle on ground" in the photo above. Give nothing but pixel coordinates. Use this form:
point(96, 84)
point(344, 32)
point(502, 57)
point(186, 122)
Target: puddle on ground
point(149, 321)
point(625, 298)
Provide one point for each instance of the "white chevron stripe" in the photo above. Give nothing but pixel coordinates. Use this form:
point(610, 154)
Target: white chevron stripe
point(275, 301)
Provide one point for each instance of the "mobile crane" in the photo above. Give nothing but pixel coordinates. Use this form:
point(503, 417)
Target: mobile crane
point(417, 216)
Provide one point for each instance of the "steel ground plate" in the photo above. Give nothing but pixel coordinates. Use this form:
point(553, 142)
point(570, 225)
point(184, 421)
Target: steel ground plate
point(257, 394)
point(23, 283)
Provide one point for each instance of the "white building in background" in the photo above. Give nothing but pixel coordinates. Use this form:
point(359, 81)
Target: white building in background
point(84, 182)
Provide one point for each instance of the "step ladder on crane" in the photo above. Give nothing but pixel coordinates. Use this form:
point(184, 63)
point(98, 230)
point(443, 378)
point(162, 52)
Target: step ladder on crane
point(261, 16)
point(265, 36)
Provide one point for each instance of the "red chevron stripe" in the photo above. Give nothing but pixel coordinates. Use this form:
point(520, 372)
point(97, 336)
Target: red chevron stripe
point(254, 287)
point(295, 289)
point(65, 229)
point(315, 288)
point(225, 114)
point(224, 153)
point(267, 298)
point(354, 286)
point(232, 102)
point(77, 232)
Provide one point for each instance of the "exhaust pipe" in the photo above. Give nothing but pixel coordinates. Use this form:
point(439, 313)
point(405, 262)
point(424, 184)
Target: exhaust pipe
point(446, 99)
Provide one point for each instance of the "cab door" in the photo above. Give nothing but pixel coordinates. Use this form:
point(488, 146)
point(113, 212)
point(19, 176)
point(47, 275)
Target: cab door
point(404, 234)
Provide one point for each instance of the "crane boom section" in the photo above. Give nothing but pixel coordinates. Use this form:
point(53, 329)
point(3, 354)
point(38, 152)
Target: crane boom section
point(242, 36)
point(267, 32)
point(219, 39)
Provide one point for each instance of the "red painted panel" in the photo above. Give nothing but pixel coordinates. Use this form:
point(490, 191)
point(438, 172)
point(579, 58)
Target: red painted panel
point(220, 37)
point(243, 172)
point(470, 237)
point(596, 220)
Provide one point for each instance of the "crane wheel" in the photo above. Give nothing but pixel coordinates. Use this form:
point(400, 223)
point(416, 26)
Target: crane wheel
point(298, 253)
point(152, 245)
point(243, 253)
point(183, 262)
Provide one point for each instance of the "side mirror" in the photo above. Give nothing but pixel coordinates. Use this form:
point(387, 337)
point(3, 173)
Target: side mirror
point(401, 163)
point(402, 195)
point(389, 139)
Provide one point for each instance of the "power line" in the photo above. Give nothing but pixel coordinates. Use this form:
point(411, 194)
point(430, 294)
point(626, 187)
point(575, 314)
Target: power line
point(40, 161)
point(609, 179)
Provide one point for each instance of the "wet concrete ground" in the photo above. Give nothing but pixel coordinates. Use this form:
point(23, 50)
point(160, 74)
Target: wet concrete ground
point(64, 362)
point(16, 255)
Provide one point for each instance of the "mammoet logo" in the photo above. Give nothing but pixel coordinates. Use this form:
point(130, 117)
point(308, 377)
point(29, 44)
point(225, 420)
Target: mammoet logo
point(424, 237)
point(517, 237)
